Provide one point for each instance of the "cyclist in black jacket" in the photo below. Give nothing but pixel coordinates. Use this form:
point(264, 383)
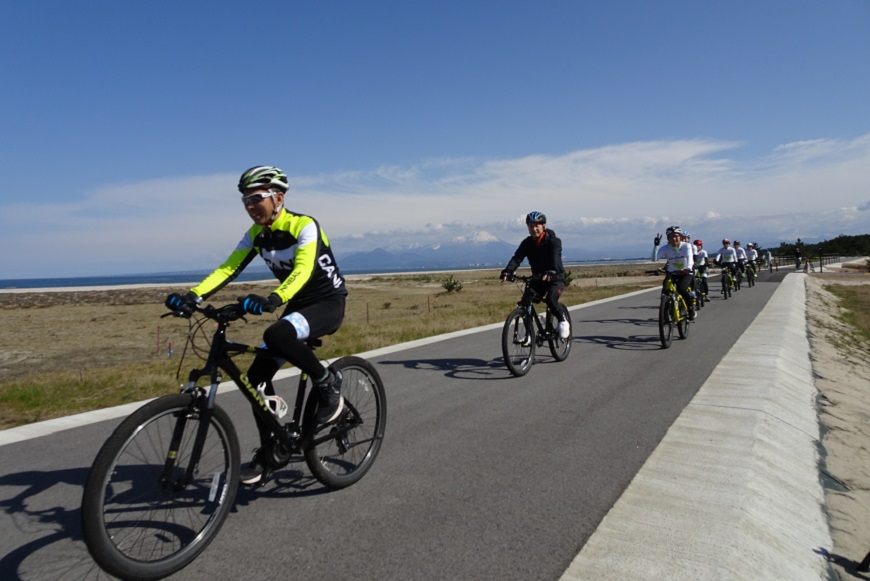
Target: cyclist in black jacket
point(543, 249)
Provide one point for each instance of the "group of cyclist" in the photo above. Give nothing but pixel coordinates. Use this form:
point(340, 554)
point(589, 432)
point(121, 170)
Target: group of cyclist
point(312, 293)
point(741, 263)
point(687, 263)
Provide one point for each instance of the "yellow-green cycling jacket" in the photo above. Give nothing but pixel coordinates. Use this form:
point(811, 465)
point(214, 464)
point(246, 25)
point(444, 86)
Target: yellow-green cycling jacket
point(296, 250)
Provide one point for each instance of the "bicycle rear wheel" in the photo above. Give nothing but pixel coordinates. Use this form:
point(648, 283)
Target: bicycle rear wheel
point(559, 347)
point(666, 321)
point(140, 518)
point(726, 286)
point(339, 454)
point(518, 342)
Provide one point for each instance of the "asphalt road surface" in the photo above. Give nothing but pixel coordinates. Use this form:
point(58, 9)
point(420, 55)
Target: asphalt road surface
point(481, 475)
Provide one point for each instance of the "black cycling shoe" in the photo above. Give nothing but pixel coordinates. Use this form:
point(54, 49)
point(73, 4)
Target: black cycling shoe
point(255, 472)
point(331, 401)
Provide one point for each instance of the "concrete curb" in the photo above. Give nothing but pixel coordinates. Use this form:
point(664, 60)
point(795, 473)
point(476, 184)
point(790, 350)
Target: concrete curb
point(733, 489)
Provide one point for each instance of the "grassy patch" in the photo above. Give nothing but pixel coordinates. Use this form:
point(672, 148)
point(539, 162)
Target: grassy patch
point(855, 299)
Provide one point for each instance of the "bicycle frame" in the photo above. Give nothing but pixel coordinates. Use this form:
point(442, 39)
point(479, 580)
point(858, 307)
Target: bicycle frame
point(671, 290)
point(543, 333)
point(730, 276)
point(219, 359)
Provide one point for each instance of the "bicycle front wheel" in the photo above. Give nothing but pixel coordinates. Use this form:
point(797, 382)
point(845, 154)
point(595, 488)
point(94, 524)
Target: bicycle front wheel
point(145, 515)
point(666, 321)
point(683, 318)
point(340, 454)
point(518, 342)
point(559, 347)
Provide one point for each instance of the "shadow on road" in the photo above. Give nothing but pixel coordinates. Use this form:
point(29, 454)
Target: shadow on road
point(46, 542)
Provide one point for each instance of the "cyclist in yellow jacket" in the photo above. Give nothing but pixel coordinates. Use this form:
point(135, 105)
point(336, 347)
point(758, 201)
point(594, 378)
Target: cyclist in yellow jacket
point(310, 287)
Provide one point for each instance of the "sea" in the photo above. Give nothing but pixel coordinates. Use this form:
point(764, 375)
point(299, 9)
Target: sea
point(172, 278)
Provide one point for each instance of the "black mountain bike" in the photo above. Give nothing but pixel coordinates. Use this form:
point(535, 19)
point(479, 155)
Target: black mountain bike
point(164, 482)
point(524, 331)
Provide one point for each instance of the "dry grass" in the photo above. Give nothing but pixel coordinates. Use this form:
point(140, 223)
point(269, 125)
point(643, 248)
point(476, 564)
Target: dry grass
point(67, 352)
point(856, 301)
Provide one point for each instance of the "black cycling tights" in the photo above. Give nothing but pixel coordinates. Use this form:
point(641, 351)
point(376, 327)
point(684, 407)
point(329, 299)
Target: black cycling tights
point(281, 339)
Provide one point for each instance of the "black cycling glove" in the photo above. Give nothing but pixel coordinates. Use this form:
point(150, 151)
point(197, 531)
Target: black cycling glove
point(179, 302)
point(257, 305)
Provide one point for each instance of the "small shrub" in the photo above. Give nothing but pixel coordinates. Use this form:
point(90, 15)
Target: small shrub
point(452, 285)
point(569, 276)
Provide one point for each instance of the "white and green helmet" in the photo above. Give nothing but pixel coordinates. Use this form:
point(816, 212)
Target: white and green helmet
point(264, 176)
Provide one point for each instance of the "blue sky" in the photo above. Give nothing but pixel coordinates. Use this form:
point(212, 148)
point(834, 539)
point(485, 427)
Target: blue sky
point(124, 125)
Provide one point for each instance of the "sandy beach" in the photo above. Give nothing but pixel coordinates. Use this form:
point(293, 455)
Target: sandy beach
point(842, 371)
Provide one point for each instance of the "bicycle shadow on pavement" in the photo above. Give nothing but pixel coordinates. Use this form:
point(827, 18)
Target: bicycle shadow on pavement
point(291, 481)
point(630, 343)
point(59, 551)
point(456, 368)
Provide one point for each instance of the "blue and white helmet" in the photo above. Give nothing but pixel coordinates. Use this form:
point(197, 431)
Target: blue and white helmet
point(536, 218)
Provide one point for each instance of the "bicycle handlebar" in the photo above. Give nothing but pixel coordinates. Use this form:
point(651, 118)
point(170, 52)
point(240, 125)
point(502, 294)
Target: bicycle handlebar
point(522, 278)
point(226, 313)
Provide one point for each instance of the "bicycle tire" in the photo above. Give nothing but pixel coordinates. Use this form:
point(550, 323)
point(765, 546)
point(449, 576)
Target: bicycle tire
point(136, 527)
point(666, 321)
point(726, 286)
point(683, 323)
point(518, 342)
point(341, 453)
point(559, 347)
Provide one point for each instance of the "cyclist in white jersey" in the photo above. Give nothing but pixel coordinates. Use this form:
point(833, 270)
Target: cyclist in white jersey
point(741, 258)
point(727, 257)
point(752, 258)
point(680, 261)
point(701, 264)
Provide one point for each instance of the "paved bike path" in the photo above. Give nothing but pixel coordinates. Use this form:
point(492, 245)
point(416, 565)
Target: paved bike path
point(733, 490)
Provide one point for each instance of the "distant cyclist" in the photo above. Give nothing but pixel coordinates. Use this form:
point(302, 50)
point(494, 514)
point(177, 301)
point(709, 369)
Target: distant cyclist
point(543, 249)
point(309, 285)
point(680, 261)
point(741, 258)
point(752, 258)
point(727, 257)
point(701, 265)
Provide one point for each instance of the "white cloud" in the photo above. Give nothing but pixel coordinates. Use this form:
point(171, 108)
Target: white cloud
point(614, 197)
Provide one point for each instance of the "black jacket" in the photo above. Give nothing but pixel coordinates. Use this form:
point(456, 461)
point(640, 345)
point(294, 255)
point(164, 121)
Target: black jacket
point(543, 255)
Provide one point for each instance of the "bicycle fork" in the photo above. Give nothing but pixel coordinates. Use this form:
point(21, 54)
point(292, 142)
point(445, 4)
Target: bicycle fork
point(190, 472)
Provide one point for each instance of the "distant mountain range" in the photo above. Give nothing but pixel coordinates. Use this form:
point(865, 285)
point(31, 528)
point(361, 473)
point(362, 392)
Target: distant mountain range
point(479, 249)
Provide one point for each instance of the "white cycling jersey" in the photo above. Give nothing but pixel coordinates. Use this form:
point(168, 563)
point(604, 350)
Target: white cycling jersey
point(679, 258)
point(752, 254)
point(726, 254)
point(741, 253)
point(701, 257)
